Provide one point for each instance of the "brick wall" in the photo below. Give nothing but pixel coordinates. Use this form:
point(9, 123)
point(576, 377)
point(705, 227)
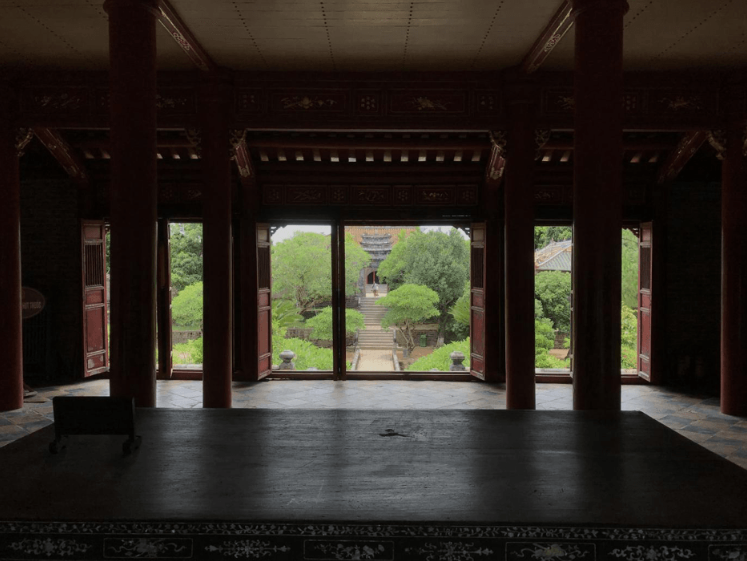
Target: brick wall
point(50, 261)
point(693, 286)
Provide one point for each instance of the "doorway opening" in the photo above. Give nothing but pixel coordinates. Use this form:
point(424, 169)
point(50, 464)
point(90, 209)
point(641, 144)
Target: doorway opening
point(302, 314)
point(554, 300)
point(408, 298)
point(185, 293)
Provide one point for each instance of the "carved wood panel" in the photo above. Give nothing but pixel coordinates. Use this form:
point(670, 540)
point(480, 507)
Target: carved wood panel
point(371, 195)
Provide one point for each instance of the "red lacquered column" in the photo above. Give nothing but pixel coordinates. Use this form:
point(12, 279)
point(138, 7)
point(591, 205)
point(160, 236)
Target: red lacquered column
point(132, 98)
point(734, 261)
point(216, 205)
point(519, 252)
point(597, 203)
point(11, 340)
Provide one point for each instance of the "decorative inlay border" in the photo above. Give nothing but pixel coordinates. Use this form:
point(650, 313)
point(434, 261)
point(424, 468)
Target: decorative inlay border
point(380, 542)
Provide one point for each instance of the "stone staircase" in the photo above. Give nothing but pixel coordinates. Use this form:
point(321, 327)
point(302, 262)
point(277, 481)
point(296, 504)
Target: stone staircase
point(373, 337)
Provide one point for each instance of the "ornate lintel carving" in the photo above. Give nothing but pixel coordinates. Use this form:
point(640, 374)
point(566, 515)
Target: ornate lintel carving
point(235, 137)
point(195, 137)
point(23, 137)
point(498, 140)
point(541, 136)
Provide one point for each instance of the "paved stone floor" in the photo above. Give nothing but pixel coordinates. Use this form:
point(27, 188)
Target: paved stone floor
point(696, 417)
point(376, 360)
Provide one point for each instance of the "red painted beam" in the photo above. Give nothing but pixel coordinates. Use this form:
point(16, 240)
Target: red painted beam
point(548, 40)
point(182, 35)
point(63, 153)
point(687, 147)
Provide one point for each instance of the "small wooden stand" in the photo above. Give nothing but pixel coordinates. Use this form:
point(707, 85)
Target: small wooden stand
point(94, 415)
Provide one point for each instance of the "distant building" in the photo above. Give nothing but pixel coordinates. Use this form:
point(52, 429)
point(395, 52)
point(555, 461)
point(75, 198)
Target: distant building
point(378, 241)
point(556, 256)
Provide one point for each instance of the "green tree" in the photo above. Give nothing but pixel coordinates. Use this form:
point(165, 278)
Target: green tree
point(301, 268)
point(544, 340)
point(628, 337)
point(321, 324)
point(186, 308)
point(434, 259)
point(407, 306)
point(461, 309)
point(543, 235)
point(440, 358)
point(553, 289)
point(185, 242)
point(356, 258)
point(629, 269)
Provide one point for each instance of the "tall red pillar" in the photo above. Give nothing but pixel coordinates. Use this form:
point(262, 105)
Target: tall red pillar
point(519, 252)
point(11, 341)
point(734, 259)
point(216, 203)
point(597, 202)
point(132, 98)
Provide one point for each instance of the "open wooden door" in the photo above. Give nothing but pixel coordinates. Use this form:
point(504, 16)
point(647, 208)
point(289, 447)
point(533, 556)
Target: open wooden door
point(163, 301)
point(477, 300)
point(645, 278)
point(264, 302)
point(95, 317)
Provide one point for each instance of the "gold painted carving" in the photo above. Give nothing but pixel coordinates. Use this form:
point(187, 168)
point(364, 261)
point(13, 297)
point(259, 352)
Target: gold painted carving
point(306, 102)
point(23, 137)
point(423, 103)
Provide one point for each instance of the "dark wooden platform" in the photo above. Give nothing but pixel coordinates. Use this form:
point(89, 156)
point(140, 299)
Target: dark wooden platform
point(287, 477)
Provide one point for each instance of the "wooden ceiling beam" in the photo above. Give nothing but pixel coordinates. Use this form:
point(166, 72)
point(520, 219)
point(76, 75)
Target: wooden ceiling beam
point(687, 147)
point(345, 167)
point(64, 154)
point(559, 25)
point(170, 20)
point(364, 144)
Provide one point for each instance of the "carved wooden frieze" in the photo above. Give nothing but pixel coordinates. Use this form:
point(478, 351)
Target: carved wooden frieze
point(306, 195)
point(273, 195)
point(54, 100)
point(488, 102)
point(338, 194)
point(370, 195)
point(318, 101)
point(176, 101)
point(676, 102)
point(424, 102)
point(402, 195)
point(548, 195)
point(656, 103)
point(435, 195)
point(368, 102)
point(249, 100)
point(467, 195)
point(179, 193)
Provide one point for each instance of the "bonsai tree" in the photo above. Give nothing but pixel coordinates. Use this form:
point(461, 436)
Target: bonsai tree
point(407, 306)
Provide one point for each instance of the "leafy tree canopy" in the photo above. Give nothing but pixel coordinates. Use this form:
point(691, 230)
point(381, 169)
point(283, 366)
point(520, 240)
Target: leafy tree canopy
point(553, 288)
point(461, 310)
point(321, 324)
point(629, 269)
point(434, 259)
point(186, 308)
point(543, 235)
point(301, 268)
point(185, 241)
point(407, 306)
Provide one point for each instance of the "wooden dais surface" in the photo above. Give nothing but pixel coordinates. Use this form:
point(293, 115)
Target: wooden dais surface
point(540, 467)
